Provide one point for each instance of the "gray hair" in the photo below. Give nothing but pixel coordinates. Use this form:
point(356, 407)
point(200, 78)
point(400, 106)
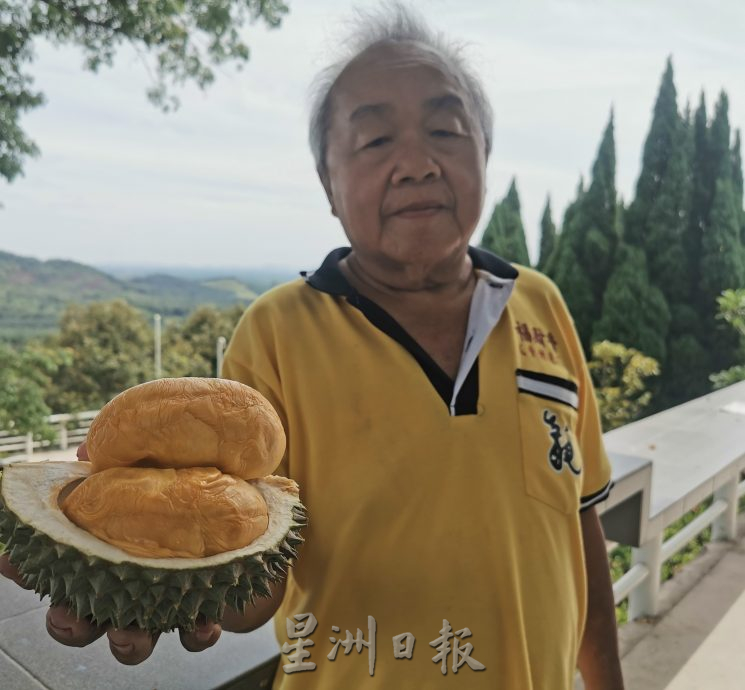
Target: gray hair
point(393, 24)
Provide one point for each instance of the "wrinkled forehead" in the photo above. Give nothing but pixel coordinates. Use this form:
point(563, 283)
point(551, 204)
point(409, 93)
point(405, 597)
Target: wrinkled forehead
point(369, 71)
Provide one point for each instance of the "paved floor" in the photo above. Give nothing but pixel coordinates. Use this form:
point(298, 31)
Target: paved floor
point(699, 644)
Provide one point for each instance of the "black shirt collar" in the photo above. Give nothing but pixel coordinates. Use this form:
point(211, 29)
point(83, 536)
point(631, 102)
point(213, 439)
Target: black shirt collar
point(329, 278)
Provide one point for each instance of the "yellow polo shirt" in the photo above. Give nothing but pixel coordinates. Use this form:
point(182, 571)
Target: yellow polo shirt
point(421, 518)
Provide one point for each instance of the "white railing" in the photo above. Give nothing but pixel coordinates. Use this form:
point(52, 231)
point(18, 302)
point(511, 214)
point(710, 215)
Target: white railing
point(69, 428)
point(635, 583)
point(665, 466)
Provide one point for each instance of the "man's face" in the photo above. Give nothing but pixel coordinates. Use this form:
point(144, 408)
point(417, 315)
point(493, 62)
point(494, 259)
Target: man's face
point(405, 161)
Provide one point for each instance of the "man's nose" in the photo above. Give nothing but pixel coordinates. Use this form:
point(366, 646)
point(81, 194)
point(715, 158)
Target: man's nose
point(415, 162)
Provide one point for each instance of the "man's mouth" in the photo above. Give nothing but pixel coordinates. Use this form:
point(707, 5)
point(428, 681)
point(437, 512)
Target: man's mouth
point(420, 209)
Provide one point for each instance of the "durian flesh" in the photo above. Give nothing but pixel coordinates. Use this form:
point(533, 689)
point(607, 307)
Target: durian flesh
point(95, 579)
point(173, 513)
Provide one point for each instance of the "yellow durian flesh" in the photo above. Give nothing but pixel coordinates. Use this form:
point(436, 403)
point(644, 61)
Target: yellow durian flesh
point(168, 513)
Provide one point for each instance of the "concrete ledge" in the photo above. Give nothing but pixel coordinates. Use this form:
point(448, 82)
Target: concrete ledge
point(33, 660)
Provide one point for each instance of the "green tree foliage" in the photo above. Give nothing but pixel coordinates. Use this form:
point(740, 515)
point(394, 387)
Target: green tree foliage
point(660, 220)
point(504, 235)
point(657, 220)
point(721, 256)
point(189, 346)
point(721, 267)
point(588, 240)
point(100, 350)
point(573, 281)
point(185, 39)
point(701, 195)
point(16, 97)
point(684, 375)
point(25, 376)
point(737, 180)
point(619, 375)
point(599, 215)
point(548, 237)
point(635, 312)
point(731, 308)
point(110, 346)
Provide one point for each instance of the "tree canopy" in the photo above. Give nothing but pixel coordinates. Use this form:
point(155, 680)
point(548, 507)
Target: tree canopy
point(649, 275)
point(504, 235)
point(548, 237)
point(181, 40)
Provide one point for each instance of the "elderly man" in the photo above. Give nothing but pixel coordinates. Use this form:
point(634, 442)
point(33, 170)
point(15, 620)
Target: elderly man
point(440, 416)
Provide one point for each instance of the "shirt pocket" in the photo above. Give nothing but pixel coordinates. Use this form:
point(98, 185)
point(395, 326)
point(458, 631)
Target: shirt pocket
point(551, 456)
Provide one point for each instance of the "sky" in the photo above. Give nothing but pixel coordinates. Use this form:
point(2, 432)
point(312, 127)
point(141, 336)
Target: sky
point(228, 179)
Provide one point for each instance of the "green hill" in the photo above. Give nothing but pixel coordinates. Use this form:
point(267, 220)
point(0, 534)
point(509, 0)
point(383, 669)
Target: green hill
point(33, 293)
point(239, 289)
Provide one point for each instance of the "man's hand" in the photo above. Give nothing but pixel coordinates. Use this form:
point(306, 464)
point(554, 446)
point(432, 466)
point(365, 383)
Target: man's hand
point(129, 646)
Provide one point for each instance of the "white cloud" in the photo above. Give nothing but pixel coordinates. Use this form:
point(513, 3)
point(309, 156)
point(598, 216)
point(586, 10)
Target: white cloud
point(228, 178)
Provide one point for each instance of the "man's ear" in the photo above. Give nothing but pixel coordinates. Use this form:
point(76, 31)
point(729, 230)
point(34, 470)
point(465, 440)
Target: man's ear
point(326, 182)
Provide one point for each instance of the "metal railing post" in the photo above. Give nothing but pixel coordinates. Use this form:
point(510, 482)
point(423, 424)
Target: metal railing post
point(63, 442)
point(725, 526)
point(158, 370)
point(645, 599)
point(220, 354)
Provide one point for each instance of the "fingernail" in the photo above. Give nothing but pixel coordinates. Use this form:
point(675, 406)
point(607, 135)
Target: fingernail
point(62, 632)
point(122, 648)
point(60, 629)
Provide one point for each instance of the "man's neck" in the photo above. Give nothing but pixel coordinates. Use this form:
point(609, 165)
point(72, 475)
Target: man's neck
point(448, 283)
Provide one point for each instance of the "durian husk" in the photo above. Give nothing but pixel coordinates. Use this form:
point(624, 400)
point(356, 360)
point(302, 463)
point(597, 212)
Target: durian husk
point(100, 581)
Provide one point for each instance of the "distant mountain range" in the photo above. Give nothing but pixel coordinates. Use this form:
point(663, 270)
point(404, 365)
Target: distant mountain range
point(33, 293)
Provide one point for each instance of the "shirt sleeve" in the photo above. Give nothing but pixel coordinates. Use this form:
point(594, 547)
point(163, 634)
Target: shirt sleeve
point(250, 359)
point(596, 482)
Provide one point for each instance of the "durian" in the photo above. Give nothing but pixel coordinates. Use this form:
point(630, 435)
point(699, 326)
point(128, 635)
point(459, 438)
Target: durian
point(116, 580)
point(93, 578)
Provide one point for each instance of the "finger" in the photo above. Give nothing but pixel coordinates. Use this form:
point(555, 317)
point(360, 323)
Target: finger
point(131, 646)
point(10, 571)
point(82, 452)
point(204, 635)
point(67, 629)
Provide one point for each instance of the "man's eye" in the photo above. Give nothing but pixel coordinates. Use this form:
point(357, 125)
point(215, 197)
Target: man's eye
point(375, 143)
point(443, 133)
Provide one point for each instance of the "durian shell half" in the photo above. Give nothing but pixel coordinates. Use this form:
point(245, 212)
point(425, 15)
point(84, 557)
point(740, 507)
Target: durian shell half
point(92, 578)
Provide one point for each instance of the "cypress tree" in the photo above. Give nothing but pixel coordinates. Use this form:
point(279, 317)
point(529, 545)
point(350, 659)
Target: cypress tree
point(719, 153)
point(658, 148)
point(721, 253)
point(588, 240)
point(700, 197)
point(576, 287)
point(721, 268)
point(553, 263)
point(657, 220)
point(737, 169)
point(687, 365)
point(661, 220)
point(548, 237)
point(635, 312)
point(504, 235)
point(737, 181)
point(600, 210)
